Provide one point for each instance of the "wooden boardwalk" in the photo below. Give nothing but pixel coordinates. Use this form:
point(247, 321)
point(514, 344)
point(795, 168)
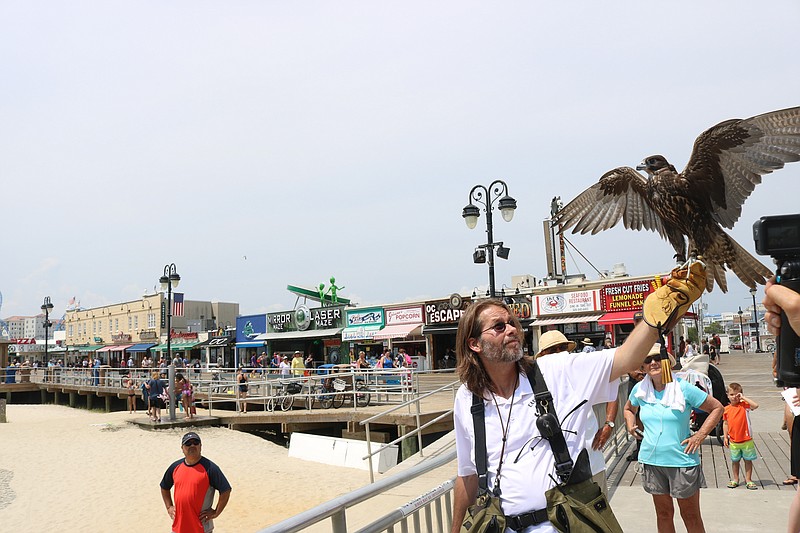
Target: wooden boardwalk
point(769, 470)
point(754, 373)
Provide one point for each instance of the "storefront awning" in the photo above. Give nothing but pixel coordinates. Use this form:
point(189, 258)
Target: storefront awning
point(115, 348)
point(176, 346)
point(565, 319)
point(308, 334)
point(399, 331)
point(439, 330)
point(91, 348)
point(251, 344)
point(619, 317)
point(142, 347)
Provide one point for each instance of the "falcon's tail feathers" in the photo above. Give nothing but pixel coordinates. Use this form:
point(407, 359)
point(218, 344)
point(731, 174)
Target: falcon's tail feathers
point(726, 252)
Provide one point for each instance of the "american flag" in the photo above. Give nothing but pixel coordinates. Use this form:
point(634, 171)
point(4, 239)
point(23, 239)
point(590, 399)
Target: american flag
point(177, 304)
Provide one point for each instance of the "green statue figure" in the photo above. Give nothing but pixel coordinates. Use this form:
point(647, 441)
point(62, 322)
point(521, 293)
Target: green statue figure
point(332, 290)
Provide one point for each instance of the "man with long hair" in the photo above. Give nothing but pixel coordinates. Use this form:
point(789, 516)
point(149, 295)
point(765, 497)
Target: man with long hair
point(490, 363)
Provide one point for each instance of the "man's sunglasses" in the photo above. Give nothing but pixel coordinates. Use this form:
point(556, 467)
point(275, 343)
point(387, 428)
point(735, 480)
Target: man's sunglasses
point(649, 359)
point(192, 443)
point(500, 327)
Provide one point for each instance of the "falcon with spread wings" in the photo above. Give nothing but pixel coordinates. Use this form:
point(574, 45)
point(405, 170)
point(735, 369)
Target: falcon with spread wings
point(726, 164)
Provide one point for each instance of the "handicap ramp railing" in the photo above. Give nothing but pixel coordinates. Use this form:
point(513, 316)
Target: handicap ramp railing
point(431, 512)
point(433, 507)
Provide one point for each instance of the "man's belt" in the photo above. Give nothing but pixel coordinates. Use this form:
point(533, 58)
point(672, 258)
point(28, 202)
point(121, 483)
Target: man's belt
point(522, 521)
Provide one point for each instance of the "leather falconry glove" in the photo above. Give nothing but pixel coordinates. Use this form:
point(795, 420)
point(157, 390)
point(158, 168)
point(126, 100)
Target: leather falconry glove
point(663, 308)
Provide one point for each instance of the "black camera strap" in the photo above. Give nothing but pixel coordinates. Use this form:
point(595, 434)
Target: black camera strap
point(548, 423)
point(479, 422)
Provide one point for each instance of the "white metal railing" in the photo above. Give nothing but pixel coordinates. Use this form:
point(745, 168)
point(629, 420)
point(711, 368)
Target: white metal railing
point(265, 386)
point(336, 509)
point(453, 386)
point(429, 512)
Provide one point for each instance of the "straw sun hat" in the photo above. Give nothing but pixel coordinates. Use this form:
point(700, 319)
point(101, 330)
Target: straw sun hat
point(656, 350)
point(553, 338)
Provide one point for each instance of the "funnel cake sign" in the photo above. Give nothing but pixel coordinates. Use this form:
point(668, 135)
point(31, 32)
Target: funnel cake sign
point(628, 296)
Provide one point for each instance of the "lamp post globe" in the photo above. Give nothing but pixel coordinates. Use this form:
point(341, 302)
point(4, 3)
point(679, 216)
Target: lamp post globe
point(495, 193)
point(471, 214)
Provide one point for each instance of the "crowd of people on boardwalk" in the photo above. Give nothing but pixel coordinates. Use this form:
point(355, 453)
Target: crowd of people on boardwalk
point(710, 347)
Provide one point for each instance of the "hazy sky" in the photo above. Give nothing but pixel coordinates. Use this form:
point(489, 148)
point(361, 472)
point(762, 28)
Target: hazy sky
point(259, 144)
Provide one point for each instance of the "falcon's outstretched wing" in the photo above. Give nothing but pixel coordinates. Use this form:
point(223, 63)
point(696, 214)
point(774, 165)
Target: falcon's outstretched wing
point(620, 194)
point(729, 159)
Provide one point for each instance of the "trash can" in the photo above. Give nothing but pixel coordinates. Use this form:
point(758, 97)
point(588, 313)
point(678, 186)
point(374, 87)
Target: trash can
point(102, 372)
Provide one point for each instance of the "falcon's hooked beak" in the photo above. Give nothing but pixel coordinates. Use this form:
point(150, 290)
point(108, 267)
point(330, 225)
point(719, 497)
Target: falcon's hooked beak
point(647, 169)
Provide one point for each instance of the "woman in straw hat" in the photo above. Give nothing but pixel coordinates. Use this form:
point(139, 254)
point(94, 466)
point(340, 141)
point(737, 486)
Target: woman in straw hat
point(554, 341)
point(669, 452)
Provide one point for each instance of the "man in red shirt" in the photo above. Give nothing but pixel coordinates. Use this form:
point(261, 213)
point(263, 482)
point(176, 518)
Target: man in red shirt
point(195, 479)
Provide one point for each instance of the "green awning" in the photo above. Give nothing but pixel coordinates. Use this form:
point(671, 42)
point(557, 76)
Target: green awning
point(176, 346)
point(90, 348)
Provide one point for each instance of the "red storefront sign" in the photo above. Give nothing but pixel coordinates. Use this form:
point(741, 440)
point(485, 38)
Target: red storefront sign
point(627, 296)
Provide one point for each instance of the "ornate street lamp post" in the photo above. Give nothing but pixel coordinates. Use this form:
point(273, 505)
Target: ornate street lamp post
point(168, 281)
point(46, 308)
point(741, 331)
point(753, 292)
point(488, 196)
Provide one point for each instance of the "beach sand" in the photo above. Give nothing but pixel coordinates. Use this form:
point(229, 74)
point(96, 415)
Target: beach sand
point(65, 469)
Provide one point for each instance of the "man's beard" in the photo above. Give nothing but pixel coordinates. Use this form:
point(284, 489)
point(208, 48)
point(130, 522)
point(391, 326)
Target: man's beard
point(507, 354)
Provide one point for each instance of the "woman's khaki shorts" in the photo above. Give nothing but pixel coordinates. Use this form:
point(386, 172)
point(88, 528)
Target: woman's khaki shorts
point(679, 483)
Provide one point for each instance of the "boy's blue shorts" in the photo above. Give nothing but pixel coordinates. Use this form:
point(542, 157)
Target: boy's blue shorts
point(743, 450)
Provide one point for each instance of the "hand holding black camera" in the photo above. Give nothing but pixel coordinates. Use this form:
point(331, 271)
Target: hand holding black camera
point(779, 298)
point(779, 237)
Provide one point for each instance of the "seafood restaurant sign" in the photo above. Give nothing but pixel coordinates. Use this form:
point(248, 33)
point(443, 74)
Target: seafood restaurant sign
point(568, 302)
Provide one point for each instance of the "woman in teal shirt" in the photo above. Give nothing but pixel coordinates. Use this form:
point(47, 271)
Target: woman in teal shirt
point(669, 451)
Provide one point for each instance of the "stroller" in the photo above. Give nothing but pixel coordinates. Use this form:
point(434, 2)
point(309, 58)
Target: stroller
point(706, 377)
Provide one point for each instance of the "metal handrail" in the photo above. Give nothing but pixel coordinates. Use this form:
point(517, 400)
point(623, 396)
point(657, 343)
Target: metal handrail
point(336, 509)
point(416, 432)
point(420, 502)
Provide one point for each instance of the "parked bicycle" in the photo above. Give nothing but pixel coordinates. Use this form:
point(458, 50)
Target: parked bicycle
point(284, 396)
point(334, 392)
point(327, 393)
